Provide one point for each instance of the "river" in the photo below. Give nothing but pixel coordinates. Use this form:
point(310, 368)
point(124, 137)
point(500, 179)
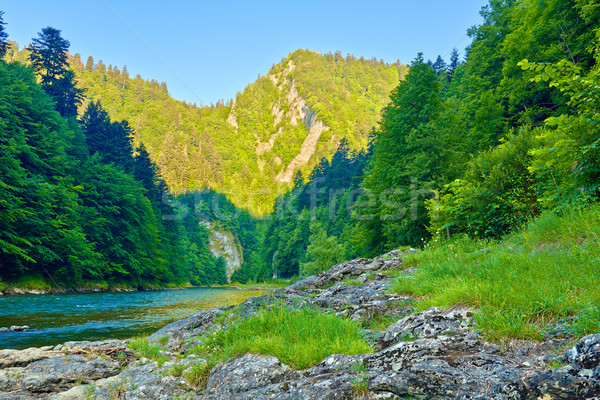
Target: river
point(55, 319)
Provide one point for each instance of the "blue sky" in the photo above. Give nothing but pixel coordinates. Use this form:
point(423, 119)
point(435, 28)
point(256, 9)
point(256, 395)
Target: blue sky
point(206, 51)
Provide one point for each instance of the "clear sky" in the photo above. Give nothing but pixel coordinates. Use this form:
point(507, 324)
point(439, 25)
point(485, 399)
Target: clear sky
point(208, 50)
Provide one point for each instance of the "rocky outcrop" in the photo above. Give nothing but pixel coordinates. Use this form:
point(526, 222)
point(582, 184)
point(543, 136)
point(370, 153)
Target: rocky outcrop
point(432, 354)
point(223, 243)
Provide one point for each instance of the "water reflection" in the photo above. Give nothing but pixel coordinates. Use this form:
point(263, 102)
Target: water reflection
point(54, 319)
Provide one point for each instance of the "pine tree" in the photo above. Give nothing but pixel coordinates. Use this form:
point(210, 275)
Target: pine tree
point(48, 56)
point(3, 36)
point(454, 63)
point(145, 171)
point(112, 140)
point(439, 65)
point(89, 65)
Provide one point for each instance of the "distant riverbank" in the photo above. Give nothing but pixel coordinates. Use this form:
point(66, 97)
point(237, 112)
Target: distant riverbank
point(43, 289)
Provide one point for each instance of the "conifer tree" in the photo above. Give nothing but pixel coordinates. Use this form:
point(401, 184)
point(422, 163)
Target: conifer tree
point(112, 140)
point(89, 64)
point(454, 63)
point(3, 36)
point(439, 65)
point(48, 56)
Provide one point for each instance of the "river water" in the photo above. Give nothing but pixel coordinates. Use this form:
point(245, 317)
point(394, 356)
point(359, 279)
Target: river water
point(55, 319)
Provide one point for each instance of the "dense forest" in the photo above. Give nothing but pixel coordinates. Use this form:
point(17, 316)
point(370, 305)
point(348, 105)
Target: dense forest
point(79, 205)
point(330, 157)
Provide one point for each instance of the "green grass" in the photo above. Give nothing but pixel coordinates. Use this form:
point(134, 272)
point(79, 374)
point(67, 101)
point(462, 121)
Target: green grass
point(175, 370)
point(548, 271)
point(163, 339)
point(360, 385)
point(380, 322)
point(32, 282)
point(299, 338)
point(197, 374)
point(352, 282)
point(142, 348)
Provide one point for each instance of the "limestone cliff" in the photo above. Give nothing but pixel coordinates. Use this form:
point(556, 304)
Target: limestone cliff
point(223, 243)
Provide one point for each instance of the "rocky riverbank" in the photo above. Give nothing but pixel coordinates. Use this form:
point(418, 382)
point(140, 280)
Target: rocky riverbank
point(18, 291)
point(432, 354)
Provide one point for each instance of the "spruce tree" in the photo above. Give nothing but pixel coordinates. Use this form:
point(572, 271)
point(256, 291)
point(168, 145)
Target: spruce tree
point(439, 65)
point(3, 36)
point(89, 64)
point(111, 140)
point(454, 63)
point(48, 56)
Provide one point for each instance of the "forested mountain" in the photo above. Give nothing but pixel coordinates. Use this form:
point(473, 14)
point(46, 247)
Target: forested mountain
point(78, 206)
point(252, 147)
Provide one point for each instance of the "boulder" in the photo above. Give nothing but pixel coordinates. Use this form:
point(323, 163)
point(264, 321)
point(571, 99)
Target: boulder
point(19, 358)
point(586, 353)
point(19, 328)
point(248, 377)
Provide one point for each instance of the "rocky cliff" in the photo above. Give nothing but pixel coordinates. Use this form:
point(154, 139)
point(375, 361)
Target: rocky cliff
point(431, 354)
point(223, 243)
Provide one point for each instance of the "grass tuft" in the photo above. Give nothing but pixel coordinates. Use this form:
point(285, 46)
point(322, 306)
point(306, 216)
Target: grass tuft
point(299, 338)
point(142, 348)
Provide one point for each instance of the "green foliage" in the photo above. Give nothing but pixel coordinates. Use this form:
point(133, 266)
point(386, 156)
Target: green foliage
point(144, 349)
point(323, 251)
point(197, 374)
point(71, 219)
point(567, 162)
point(360, 385)
point(497, 144)
point(546, 272)
point(299, 338)
point(3, 36)
point(415, 152)
point(496, 195)
point(327, 198)
point(239, 148)
point(48, 57)
point(112, 140)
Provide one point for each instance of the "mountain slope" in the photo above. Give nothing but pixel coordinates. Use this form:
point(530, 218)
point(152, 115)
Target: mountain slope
point(252, 147)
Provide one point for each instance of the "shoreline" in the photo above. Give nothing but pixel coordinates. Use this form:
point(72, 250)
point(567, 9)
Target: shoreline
point(17, 291)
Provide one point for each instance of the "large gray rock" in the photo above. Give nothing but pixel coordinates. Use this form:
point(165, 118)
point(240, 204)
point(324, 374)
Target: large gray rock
point(429, 323)
point(177, 332)
point(249, 377)
point(19, 358)
point(143, 382)
point(51, 375)
point(433, 354)
point(349, 269)
point(586, 353)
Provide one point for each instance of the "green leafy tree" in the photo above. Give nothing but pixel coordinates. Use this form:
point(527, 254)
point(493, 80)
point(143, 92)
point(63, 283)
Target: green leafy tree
point(496, 195)
point(568, 160)
point(323, 251)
